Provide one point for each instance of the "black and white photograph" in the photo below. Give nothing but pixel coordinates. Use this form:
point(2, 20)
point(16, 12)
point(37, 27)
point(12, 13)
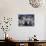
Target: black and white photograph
point(26, 20)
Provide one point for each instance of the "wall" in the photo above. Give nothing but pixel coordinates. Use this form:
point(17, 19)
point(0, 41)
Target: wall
point(45, 29)
point(12, 8)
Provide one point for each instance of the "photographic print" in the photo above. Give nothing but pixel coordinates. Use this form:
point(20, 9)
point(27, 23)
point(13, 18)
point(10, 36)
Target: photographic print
point(26, 20)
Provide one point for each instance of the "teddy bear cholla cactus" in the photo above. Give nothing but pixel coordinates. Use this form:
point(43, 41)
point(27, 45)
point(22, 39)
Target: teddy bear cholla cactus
point(6, 24)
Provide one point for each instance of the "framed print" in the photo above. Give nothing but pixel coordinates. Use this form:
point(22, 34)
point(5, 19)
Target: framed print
point(26, 20)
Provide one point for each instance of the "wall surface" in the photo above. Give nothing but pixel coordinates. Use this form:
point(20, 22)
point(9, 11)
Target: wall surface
point(12, 8)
